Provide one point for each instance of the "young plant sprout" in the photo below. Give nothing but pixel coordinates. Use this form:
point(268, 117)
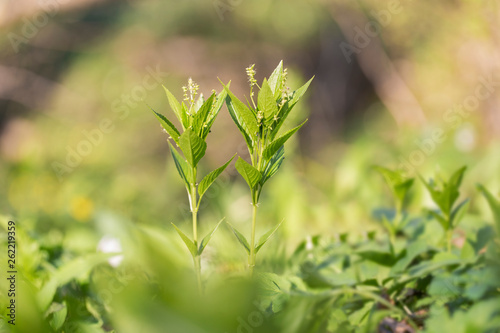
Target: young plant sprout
point(259, 123)
point(445, 194)
point(399, 185)
point(196, 117)
point(494, 204)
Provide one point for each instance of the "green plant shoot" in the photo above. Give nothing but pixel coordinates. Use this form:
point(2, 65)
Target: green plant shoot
point(196, 117)
point(260, 122)
point(399, 186)
point(445, 194)
point(494, 204)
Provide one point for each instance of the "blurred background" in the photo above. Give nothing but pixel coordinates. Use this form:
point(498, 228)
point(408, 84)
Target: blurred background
point(403, 84)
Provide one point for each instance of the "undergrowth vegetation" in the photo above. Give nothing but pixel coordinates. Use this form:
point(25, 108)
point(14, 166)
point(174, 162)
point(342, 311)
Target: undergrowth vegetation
point(432, 269)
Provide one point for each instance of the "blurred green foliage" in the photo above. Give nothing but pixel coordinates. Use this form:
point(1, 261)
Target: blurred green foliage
point(330, 268)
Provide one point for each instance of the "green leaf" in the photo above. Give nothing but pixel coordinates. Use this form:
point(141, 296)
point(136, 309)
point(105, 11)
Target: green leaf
point(251, 175)
point(182, 166)
point(273, 165)
point(285, 110)
point(266, 237)
point(209, 179)
point(59, 312)
point(297, 94)
point(189, 243)
point(390, 226)
point(400, 190)
point(167, 125)
point(459, 212)
point(78, 268)
point(435, 194)
point(221, 98)
point(266, 102)
point(199, 102)
point(248, 139)
point(207, 238)
point(192, 146)
point(240, 237)
point(187, 116)
point(176, 107)
point(201, 116)
point(411, 251)
point(381, 258)
point(242, 116)
point(274, 146)
point(398, 184)
point(448, 194)
point(444, 223)
point(494, 204)
point(467, 251)
point(276, 80)
point(451, 193)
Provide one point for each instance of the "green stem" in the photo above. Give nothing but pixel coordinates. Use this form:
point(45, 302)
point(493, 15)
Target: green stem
point(392, 240)
point(197, 267)
point(449, 235)
point(194, 212)
point(399, 215)
point(251, 257)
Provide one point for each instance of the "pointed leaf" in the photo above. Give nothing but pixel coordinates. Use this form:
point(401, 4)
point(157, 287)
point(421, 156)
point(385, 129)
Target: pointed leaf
point(440, 219)
point(435, 194)
point(379, 257)
point(274, 146)
point(446, 197)
point(167, 125)
point(251, 175)
point(400, 190)
point(391, 227)
point(189, 243)
point(451, 191)
point(182, 166)
point(201, 115)
point(297, 94)
point(398, 184)
point(240, 237)
point(242, 115)
point(459, 212)
point(248, 139)
point(189, 117)
point(59, 312)
point(285, 110)
point(211, 177)
point(192, 146)
point(266, 237)
point(207, 238)
point(199, 102)
point(176, 107)
point(494, 204)
point(266, 102)
point(276, 80)
point(273, 165)
point(221, 98)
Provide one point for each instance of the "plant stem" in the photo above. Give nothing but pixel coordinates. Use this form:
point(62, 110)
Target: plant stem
point(194, 212)
point(399, 215)
point(197, 267)
point(449, 234)
point(251, 257)
point(196, 258)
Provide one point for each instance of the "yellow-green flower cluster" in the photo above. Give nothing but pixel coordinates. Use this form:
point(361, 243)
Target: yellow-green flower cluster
point(192, 89)
point(251, 76)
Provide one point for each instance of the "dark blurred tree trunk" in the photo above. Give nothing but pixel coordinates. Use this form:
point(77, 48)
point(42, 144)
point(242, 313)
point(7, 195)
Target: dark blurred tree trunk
point(378, 68)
